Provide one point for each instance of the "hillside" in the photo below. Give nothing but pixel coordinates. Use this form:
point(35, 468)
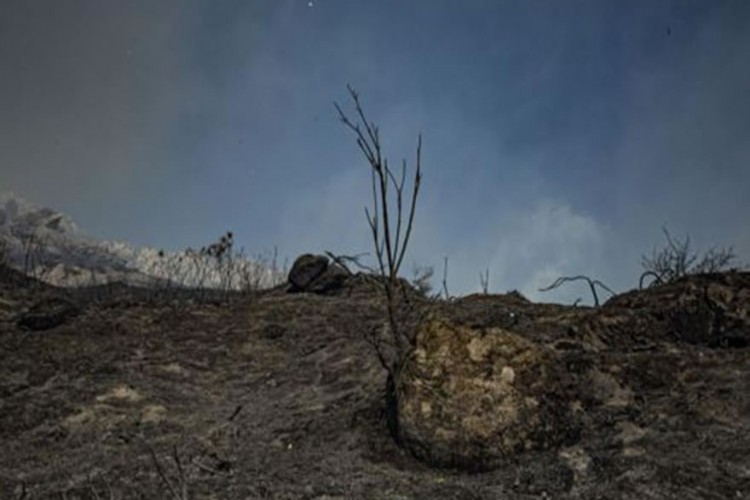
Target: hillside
point(278, 395)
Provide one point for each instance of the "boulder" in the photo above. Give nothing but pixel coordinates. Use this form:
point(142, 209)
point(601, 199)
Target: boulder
point(305, 270)
point(332, 279)
point(313, 274)
point(470, 397)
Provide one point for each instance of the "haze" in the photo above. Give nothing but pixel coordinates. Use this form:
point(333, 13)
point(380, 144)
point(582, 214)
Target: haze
point(559, 136)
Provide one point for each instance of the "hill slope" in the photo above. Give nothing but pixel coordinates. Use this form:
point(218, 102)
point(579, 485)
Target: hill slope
point(278, 395)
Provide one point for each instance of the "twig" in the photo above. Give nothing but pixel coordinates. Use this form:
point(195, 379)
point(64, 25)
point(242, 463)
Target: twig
point(592, 285)
point(163, 476)
point(484, 281)
point(210, 470)
point(657, 279)
point(235, 413)
point(183, 481)
point(445, 278)
point(354, 259)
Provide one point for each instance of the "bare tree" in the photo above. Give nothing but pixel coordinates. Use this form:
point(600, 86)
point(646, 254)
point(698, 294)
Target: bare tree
point(390, 248)
point(676, 260)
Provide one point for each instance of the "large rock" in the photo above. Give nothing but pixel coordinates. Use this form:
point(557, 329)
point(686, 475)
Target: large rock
point(306, 269)
point(469, 397)
point(330, 281)
point(313, 274)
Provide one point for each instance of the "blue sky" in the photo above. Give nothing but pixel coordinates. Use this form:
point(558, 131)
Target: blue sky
point(559, 136)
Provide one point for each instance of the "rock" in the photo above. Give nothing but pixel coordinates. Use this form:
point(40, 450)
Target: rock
point(47, 314)
point(332, 279)
point(313, 274)
point(518, 296)
point(306, 269)
point(470, 397)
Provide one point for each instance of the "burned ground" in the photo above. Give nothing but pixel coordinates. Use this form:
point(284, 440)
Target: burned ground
point(278, 395)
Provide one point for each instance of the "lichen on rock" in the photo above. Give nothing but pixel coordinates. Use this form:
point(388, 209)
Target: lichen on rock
point(467, 397)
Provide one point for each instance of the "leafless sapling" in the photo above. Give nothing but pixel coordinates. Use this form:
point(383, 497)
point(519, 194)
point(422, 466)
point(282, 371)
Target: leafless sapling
point(390, 248)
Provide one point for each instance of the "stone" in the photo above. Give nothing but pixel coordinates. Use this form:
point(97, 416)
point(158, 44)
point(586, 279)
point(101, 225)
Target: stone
point(306, 269)
point(313, 274)
point(468, 397)
point(331, 280)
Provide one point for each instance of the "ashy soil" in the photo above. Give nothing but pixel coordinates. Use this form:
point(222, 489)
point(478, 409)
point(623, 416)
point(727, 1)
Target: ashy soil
point(279, 396)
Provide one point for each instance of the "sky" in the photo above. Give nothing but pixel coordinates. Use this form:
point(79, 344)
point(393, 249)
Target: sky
point(559, 137)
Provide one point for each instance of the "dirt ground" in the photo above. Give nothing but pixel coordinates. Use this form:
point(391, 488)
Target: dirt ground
point(278, 396)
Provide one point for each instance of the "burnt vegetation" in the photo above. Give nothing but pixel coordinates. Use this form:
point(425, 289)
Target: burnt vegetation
point(676, 260)
point(386, 227)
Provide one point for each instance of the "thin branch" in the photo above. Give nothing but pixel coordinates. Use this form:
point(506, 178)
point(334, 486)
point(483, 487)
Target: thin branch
point(657, 279)
point(161, 472)
point(592, 285)
point(417, 181)
point(484, 281)
point(445, 278)
point(377, 344)
point(181, 472)
point(399, 196)
point(354, 259)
